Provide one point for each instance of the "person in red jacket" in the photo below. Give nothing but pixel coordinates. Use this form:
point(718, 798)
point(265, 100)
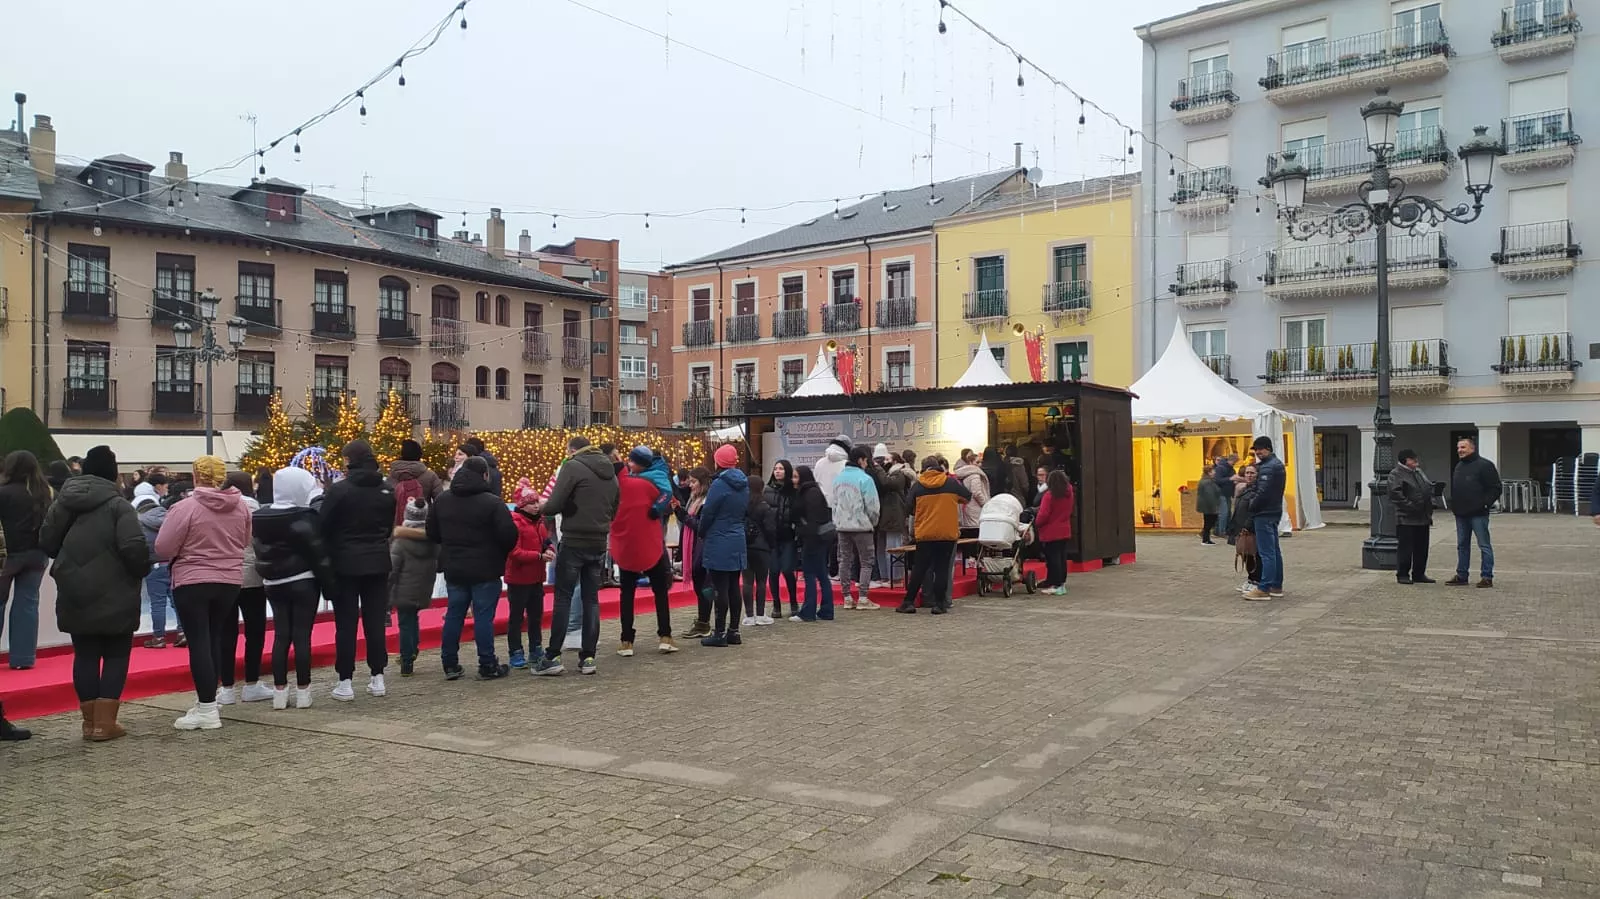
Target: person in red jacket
point(639, 548)
point(525, 576)
point(1053, 527)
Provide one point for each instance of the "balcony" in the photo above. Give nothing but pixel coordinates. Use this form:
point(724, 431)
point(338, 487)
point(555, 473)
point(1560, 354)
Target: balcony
point(574, 416)
point(535, 345)
point(399, 328)
point(979, 305)
point(1202, 285)
point(1205, 98)
point(1336, 269)
point(1541, 140)
point(1334, 372)
point(175, 399)
point(410, 403)
point(261, 315)
point(699, 333)
point(1537, 252)
point(446, 412)
point(535, 414)
point(575, 352)
point(1222, 364)
point(1066, 298)
point(697, 412)
point(841, 318)
point(325, 402)
point(788, 324)
point(447, 335)
point(88, 302)
point(333, 322)
point(89, 397)
point(1205, 191)
point(897, 312)
point(1362, 62)
point(169, 306)
point(735, 403)
point(1529, 30)
point(1421, 156)
point(252, 400)
point(1534, 362)
point(742, 328)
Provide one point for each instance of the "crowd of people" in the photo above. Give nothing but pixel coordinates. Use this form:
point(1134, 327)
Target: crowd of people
point(1245, 505)
point(219, 548)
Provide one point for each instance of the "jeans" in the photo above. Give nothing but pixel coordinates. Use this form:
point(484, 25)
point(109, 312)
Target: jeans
point(855, 562)
point(660, 576)
point(362, 599)
point(483, 597)
point(576, 569)
point(294, 611)
point(100, 665)
point(929, 572)
point(1411, 556)
point(527, 604)
point(1055, 563)
point(1468, 527)
point(410, 624)
point(1266, 528)
point(785, 559)
point(887, 541)
point(814, 565)
point(754, 584)
point(252, 605)
point(207, 607)
point(1225, 511)
point(20, 582)
point(158, 587)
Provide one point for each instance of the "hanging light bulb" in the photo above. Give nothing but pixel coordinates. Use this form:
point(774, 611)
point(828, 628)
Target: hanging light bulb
point(171, 208)
point(647, 221)
point(180, 201)
point(97, 230)
point(553, 218)
point(1172, 169)
point(1019, 70)
point(1130, 141)
point(836, 209)
point(297, 145)
point(1258, 204)
point(363, 97)
point(942, 5)
point(400, 65)
point(262, 156)
point(741, 215)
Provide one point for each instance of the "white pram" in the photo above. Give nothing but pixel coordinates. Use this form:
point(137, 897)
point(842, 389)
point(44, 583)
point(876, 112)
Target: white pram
point(1001, 536)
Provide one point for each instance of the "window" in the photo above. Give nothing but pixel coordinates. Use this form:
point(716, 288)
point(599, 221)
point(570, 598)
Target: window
point(630, 366)
point(744, 378)
point(897, 369)
point(1067, 352)
point(744, 298)
point(791, 373)
point(1537, 315)
point(700, 300)
point(1071, 264)
point(533, 316)
point(502, 310)
point(394, 298)
point(424, 227)
point(1208, 340)
point(628, 400)
point(330, 374)
point(119, 183)
point(570, 392)
point(1306, 140)
point(655, 405)
point(628, 334)
point(88, 363)
point(655, 337)
point(655, 303)
point(282, 207)
point(1300, 335)
point(631, 296)
point(88, 269)
point(794, 292)
point(844, 286)
point(1418, 128)
point(655, 371)
point(700, 380)
point(1538, 111)
point(533, 388)
point(482, 381)
point(1204, 156)
point(1416, 24)
point(394, 374)
point(482, 304)
point(502, 384)
point(897, 281)
point(1305, 44)
point(1204, 66)
point(446, 380)
point(328, 291)
point(175, 276)
point(255, 285)
point(571, 323)
point(446, 302)
point(1408, 324)
point(601, 276)
point(989, 273)
point(1536, 205)
point(1206, 246)
point(256, 373)
point(174, 368)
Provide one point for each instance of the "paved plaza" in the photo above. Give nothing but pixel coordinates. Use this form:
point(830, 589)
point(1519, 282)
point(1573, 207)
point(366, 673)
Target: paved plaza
point(1148, 735)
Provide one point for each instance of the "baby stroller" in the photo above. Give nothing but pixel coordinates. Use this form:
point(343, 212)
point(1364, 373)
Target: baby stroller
point(1001, 536)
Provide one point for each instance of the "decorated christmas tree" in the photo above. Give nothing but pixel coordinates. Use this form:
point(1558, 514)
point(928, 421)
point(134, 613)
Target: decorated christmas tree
point(348, 424)
point(275, 445)
point(392, 427)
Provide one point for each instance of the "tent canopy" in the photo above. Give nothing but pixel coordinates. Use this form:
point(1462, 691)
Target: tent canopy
point(984, 370)
point(1182, 388)
point(822, 381)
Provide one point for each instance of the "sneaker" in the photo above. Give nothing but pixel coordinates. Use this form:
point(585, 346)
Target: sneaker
point(408, 666)
point(182, 640)
point(1245, 587)
point(1423, 580)
point(227, 696)
point(866, 605)
point(535, 656)
point(906, 608)
point(625, 649)
point(256, 692)
point(156, 643)
point(1257, 594)
point(700, 629)
point(734, 639)
point(1457, 581)
point(848, 603)
point(203, 716)
point(1486, 582)
point(1402, 579)
point(494, 673)
point(280, 698)
point(549, 667)
point(345, 691)
point(454, 673)
point(879, 584)
point(587, 666)
point(796, 617)
point(717, 639)
point(1276, 593)
point(763, 620)
point(939, 610)
point(573, 641)
point(376, 687)
point(667, 645)
point(519, 659)
point(748, 621)
point(302, 698)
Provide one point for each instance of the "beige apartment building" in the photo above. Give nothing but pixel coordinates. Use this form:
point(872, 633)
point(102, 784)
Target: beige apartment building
point(333, 299)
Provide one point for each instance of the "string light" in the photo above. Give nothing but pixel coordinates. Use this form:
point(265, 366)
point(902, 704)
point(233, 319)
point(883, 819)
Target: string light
point(741, 215)
point(1019, 70)
point(362, 96)
point(942, 5)
point(262, 155)
point(297, 145)
point(647, 221)
point(400, 64)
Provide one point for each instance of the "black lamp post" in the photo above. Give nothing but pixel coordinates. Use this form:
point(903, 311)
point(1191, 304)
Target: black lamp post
point(1383, 203)
point(209, 351)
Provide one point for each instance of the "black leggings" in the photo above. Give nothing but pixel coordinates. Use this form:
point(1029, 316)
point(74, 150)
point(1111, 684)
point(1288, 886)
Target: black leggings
point(100, 665)
point(755, 584)
point(726, 584)
point(294, 611)
point(206, 609)
point(1055, 563)
point(252, 605)
point(526, 600)
point(363, 598)
point(660, 576)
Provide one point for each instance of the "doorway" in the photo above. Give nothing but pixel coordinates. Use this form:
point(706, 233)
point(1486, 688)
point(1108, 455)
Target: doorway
point(1545, 446)
point(1333, 467)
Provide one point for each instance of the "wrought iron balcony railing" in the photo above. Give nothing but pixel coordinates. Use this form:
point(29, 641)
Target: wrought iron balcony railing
point(1317, 60)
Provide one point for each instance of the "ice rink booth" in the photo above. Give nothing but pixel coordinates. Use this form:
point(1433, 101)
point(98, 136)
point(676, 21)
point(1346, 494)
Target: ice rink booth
point(1090, 423)
point(1185, 415)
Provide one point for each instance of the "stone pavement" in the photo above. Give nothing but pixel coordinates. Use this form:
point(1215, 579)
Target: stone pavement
point(1148, 735)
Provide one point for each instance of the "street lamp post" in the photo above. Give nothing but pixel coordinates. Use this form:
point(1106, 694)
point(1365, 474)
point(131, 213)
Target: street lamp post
point(1384, 203)
point(209, 351)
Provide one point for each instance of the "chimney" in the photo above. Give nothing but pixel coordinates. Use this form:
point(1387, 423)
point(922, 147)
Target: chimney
point(525, 242)
point(1017, 147)
point(176, 170)
point(42, 149)
point(461, 236)
point(496, 229)
point(477, 240)
point(22, 101)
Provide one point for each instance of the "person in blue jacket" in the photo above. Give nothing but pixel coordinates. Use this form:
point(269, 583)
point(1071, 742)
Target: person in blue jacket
point(654, 469)
point(1267, 510)
point(722, 541)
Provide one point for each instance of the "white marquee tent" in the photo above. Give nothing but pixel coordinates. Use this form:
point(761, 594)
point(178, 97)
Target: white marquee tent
point(822, 381)
point(984, 370)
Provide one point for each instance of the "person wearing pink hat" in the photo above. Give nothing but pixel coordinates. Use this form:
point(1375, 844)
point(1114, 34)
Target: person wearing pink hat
point(723, 550)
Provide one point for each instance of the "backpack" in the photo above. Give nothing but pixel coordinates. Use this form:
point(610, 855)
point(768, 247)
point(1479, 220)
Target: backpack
point(404, 492)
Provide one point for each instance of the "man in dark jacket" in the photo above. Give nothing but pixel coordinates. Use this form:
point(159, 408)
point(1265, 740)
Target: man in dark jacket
point(489, 459)
point(585, 496)
point(1411, 494)
point(1267, 510)
point(475, 533)
point(1474, 489)
point(357, 518)
point(1222, 472)
point(410, 478)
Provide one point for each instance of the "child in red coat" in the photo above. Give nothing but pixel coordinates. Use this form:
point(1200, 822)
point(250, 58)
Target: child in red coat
point(1053, 526)
point(525, 576)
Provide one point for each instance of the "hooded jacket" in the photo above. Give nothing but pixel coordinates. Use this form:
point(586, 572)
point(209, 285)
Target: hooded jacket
point(407, 470)
point(19, 518)
point(936, 509)
point(722, 538)
point(473, 529)
point(785, 512)
point(152, 514)
point(249, 577)
point(357, 519)
point(1412, 495)
point(204, 537)
point(413, 569)
point(1054, 521)
point(827, 468)
point(100, 558)
point(977, 486)
point(585, 496)
point(637, 540)
point(287, 539)
point(855, 501)
point(1208, 497)
point(761, 525)
point(892, 489)
point(494, 471)
point(525, 563)
point(1474, 487)
point(811, 512)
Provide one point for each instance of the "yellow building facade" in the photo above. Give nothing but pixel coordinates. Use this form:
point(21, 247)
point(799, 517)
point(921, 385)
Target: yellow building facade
point(1061, 258)
point(19, 196)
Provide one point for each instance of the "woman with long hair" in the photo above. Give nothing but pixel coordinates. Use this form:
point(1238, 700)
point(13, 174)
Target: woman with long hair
point(24, 499)
point(1053, 526)
point(1241, 528)
point(816, 530)
point(688, 514)
point(779, 494)
point(252, 608)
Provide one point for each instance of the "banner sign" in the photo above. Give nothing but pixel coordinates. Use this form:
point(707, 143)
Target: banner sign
point(802, 438)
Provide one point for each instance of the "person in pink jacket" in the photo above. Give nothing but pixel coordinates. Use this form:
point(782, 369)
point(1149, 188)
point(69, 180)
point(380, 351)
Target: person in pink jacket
point(204, 537)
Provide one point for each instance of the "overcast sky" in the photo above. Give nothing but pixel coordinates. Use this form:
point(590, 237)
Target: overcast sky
point(564, 106)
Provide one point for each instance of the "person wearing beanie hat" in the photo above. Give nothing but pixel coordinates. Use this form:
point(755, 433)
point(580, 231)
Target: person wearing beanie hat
point(525, 576)
point(724, 551)
point(413, 563)
point(935, 502)
point(410, 479)
point(475, 533)
point(881, 453)
point(295, 570)
point(357, 519)
point(410, 450)
point(638, 546)
point(252, 610)
point(726, 456)
point(832, 462)
point(100, 559)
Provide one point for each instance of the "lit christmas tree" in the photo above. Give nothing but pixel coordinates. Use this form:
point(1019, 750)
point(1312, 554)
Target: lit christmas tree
point(392, 427)
point(275, 445)
point(348, 425)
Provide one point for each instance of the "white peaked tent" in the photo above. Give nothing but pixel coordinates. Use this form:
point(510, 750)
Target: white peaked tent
point(1181, 389)
point(984, 370)
point(822, 381)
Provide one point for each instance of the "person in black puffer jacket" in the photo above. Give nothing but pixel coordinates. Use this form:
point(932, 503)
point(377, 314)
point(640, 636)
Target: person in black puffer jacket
point(760, 531)
point(780, 495)
point(357, 519)
point(1243, 521)
point(475, 533)
point(294, 568)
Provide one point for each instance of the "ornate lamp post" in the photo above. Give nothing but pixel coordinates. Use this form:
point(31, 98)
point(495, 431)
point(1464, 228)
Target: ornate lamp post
point(1384, 203)
point(209, 351)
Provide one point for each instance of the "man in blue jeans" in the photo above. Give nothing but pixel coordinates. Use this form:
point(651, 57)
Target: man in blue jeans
point(1268, 509)
point(475, 532)
point(585, 496)
point(1474, 489)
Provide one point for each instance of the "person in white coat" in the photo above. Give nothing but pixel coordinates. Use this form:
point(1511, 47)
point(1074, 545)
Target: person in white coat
point(827, 468)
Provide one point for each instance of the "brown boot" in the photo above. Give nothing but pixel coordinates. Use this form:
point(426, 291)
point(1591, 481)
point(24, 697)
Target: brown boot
point(106, 726)
point(89, 709)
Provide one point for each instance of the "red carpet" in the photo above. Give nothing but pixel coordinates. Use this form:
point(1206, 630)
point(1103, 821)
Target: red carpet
point(47, 688)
